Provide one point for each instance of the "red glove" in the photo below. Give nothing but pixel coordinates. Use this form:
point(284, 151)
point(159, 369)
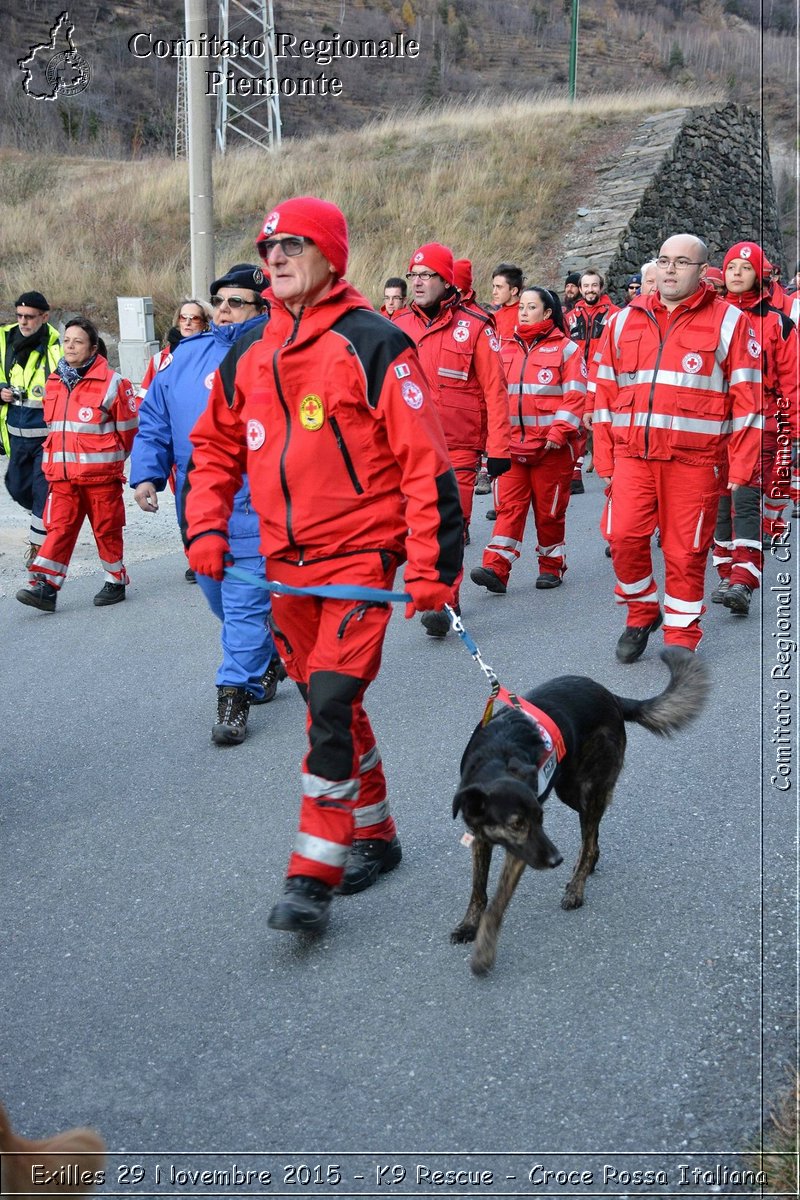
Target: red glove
point(207, 555)
point(427, 594)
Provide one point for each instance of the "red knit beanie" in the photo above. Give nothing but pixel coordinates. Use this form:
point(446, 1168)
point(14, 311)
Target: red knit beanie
point(462, 275)
point(434, 257)
point(306, 216)
point(751, 253)
point(714, 275)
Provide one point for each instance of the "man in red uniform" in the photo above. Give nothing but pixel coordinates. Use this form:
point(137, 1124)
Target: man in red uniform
point(677, 385)
point(328, 412)
point(459, 351)
point(587, 322)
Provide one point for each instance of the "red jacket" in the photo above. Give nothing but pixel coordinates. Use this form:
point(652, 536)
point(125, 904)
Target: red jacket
point(458, 350)
point(546, 390)
point(506, 318)
point(587, 323)
point(780, 368)
point(329, 415)
point(90, 429)
point(681, 385)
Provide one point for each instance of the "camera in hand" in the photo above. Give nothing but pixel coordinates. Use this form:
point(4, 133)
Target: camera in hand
point(18, 394)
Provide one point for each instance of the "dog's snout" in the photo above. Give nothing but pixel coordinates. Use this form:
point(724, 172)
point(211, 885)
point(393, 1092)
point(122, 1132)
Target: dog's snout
point(555, 859)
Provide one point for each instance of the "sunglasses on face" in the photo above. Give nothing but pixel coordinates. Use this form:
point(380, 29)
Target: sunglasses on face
point(232, 301)
point(290, 246)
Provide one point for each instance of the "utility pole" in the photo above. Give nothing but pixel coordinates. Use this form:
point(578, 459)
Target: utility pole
point(573, 48)
point(201, 194)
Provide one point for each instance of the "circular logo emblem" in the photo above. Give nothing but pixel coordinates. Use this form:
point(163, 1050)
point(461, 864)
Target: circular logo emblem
point(85, 414)
point(494, 342)
point(37, 390)
point(460, 334)
point(70, 72)
point(166, 360)
point(271, 223)
point(255, 435)
point(418, 257)
point(132, 404)
point(746, 252)
point(412, 395)
point(692, 363)
point(545, 375)
point(312, 414)
point(754, 348)
point(209, 379)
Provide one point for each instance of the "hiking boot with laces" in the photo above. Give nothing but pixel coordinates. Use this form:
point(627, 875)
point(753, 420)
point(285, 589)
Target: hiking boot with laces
point(633, 642)
point(547, 580)
point(576, 487)
point(304, 906)
point(274, 674)
point(483, 484)
point(720, 591)
point(486, 577)
point(737, 599)
point(368, 858)
point(31, 550)
point(39, 594)
point(233, 707)
point(110, 593)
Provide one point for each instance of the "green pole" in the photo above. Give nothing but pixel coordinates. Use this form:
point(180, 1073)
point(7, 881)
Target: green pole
point(573, 48)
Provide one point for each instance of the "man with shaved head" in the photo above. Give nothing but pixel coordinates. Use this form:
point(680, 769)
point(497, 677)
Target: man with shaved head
point(678, 387)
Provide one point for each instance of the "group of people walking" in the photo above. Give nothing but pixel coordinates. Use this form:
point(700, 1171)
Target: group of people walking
point(305, 431)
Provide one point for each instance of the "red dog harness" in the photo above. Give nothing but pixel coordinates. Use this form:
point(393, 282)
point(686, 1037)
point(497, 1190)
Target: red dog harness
point(551, 735)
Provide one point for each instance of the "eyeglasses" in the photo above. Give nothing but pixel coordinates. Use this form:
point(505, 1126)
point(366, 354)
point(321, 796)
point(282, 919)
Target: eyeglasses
point(290, 246)
point(191, 320)
point(680, 264)
point(233, 302)
point(424, 275)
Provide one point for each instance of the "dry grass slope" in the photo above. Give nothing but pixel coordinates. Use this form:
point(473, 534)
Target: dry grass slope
point(495, 183)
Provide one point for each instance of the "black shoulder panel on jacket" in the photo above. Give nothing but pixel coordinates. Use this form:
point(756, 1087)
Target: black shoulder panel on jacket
point(227, 368)
point(376, 341)
point(787, 324)
point(475, 312)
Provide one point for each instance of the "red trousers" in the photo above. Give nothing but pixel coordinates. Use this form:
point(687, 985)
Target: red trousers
point(332, 649)
point(680, 499)
point(68, 504)
point(544, 485)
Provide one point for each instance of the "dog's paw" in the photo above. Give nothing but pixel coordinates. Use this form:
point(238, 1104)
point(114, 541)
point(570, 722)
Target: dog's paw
point(463, 933)
point(571, 900)
point(482, 960)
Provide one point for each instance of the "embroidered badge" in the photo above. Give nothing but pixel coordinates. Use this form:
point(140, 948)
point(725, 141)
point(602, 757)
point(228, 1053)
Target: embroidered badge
point(132, 404)
point(754, 348)
point(545, 375)
point(418, 257)
point(312, 414)
point(209, 379)
point(271, 223)
point(460, 334)
point(85, 414)
point(494, 342)
point(162, 366)
point(746, 252)
point(255, 435)
point(37, 390)
point(692, 363)
point(402, 370)
point(412, 395)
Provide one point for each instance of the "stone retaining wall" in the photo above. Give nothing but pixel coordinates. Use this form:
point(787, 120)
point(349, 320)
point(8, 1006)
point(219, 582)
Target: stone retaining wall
point(691, 170)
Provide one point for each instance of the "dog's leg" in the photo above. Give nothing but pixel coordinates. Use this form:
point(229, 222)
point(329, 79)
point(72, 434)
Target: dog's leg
point(485, 951)
point(481, 858)
point(597, 801)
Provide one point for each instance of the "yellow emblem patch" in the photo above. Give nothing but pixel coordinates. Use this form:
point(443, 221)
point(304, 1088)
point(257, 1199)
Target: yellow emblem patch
point(312, 414)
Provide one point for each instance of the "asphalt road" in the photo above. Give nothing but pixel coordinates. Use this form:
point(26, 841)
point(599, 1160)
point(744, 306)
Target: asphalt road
point(142, 992)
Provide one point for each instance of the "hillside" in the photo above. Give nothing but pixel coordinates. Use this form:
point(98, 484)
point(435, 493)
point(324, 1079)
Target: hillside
point(493, 183)
point(467, 48)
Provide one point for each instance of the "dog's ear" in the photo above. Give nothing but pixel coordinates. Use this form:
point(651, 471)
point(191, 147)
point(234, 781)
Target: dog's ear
point(525, 772)
point(469, 800)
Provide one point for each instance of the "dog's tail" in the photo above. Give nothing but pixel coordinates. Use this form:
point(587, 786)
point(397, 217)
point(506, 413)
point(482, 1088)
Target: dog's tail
point(680, 702)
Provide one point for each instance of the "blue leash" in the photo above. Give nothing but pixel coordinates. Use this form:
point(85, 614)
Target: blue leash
point(346, 591)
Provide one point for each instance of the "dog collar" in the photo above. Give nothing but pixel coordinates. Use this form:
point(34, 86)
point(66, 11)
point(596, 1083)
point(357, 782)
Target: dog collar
point(551, 735)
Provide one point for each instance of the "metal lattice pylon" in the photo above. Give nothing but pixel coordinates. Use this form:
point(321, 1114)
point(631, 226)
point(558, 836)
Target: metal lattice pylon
point(181, 118)
point(253, 118)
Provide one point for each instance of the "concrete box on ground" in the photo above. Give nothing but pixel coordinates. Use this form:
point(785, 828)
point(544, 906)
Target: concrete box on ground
point(136, 320)
point(133, 359)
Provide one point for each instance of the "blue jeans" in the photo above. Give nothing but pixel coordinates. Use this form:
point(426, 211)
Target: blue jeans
point(244, 609)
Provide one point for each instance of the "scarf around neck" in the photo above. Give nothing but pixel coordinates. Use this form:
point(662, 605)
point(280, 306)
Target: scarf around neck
point(68, 375)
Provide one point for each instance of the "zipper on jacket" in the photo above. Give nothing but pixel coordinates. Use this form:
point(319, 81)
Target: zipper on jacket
point(348, 462)
point(287, 496)
point(527, 349)
point(661, 344)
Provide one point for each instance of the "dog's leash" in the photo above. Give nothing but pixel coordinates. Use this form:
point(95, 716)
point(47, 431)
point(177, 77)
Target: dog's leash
point(346, 591)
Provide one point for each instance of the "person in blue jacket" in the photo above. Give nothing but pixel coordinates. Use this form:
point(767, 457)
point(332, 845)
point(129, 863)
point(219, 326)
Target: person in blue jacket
point(250, 668)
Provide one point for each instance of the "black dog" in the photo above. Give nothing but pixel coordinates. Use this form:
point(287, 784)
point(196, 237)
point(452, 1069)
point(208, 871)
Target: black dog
point(500, 792)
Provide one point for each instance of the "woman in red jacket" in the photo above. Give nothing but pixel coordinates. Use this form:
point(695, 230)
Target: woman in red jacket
point(92, 418)
point(546, 395)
